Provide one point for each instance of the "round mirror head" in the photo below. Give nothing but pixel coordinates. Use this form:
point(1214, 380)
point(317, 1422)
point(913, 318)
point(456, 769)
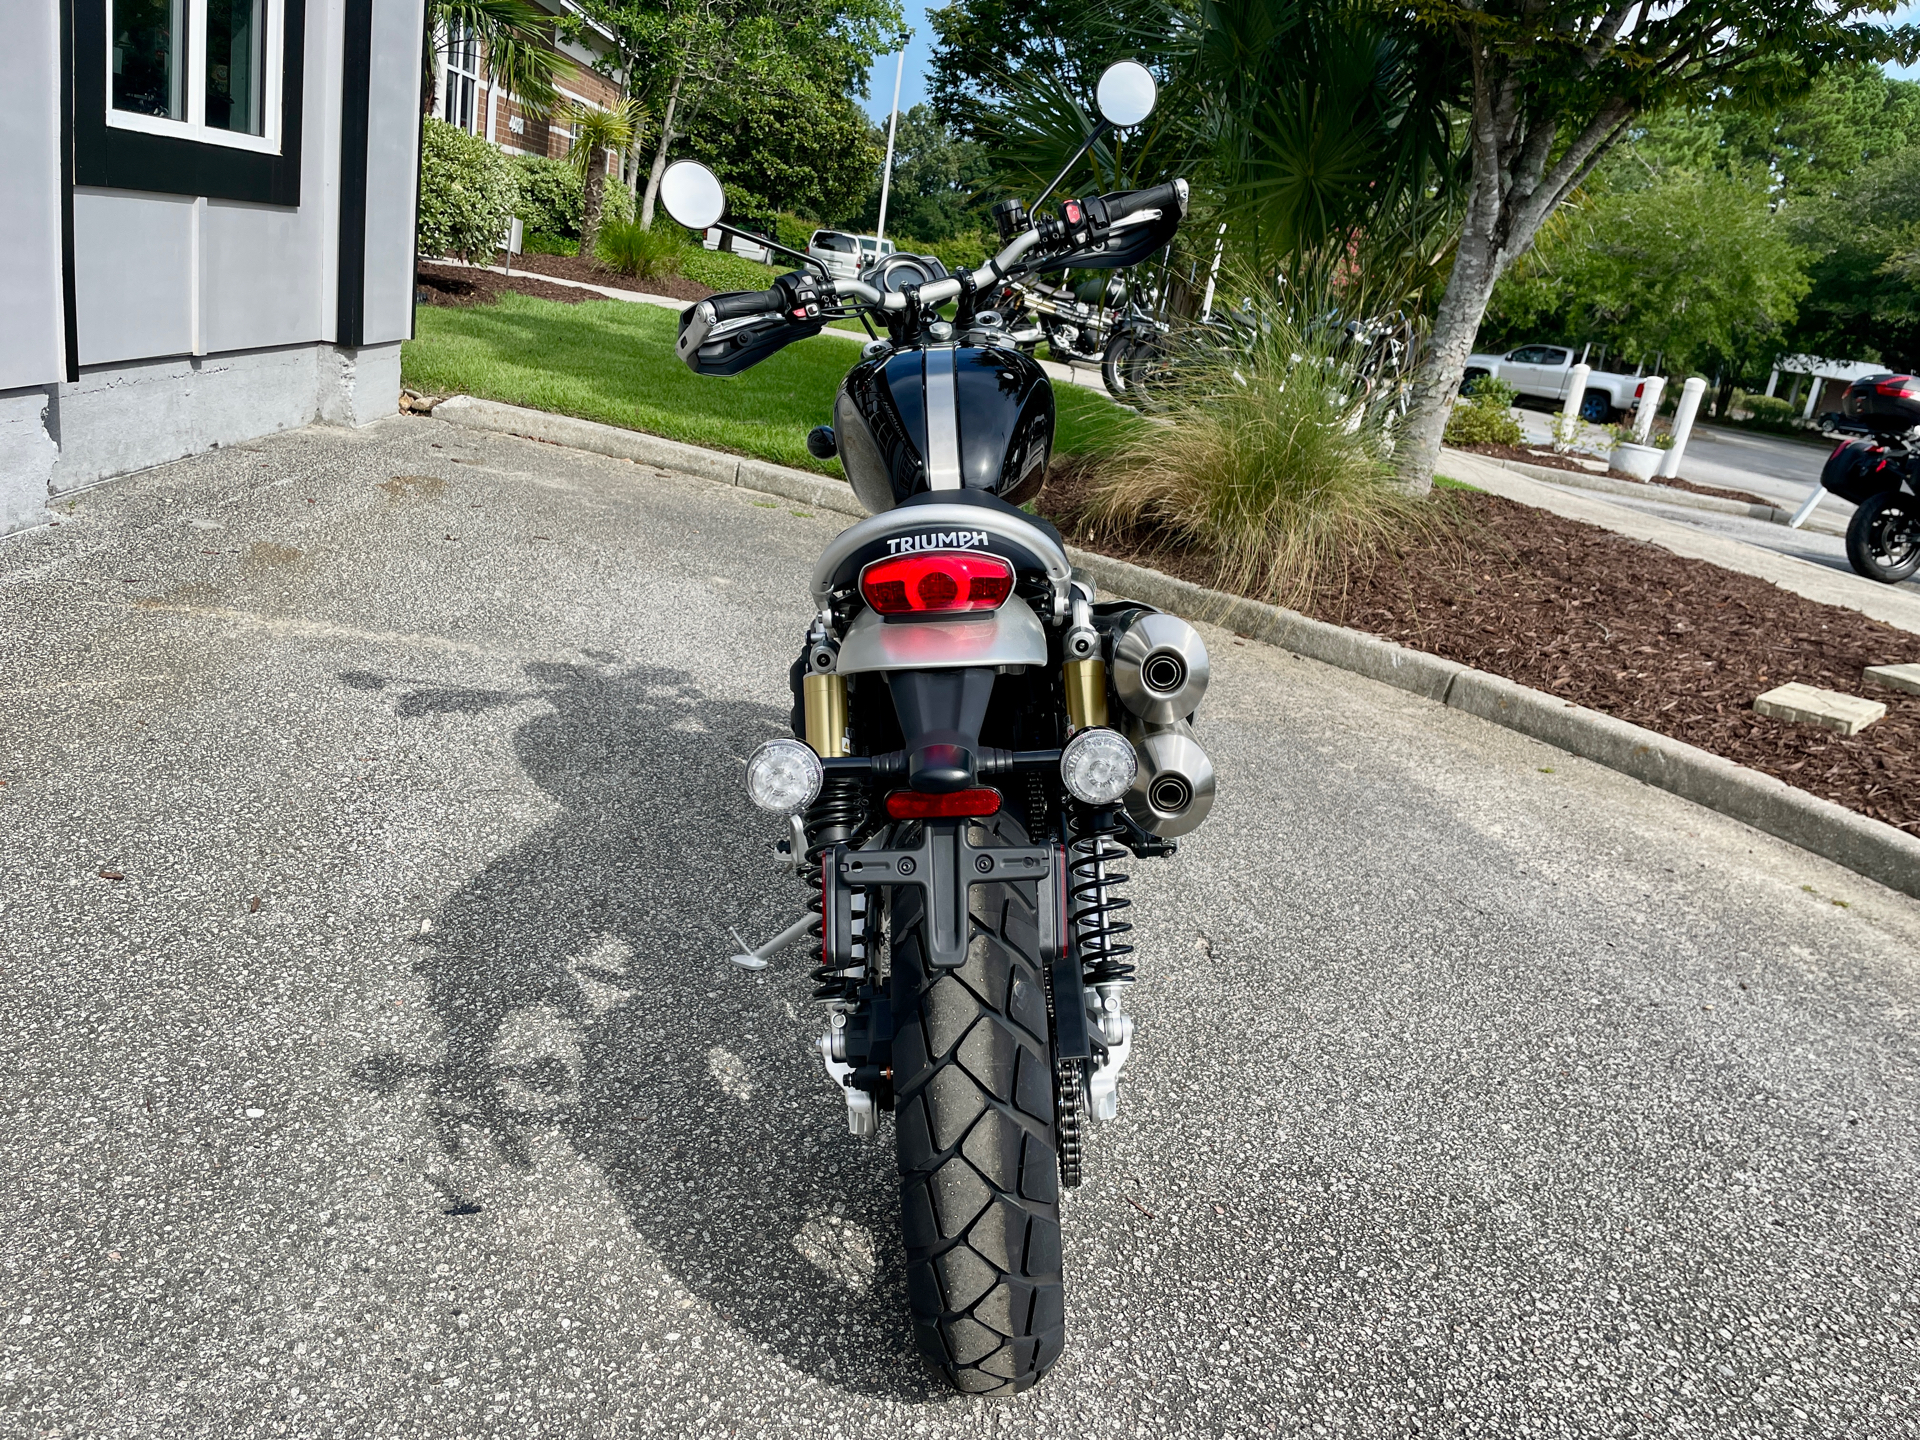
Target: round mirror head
point(692, 194)
point(1126, 94)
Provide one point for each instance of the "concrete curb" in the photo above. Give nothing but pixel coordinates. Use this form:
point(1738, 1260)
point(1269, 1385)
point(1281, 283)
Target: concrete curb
point(1772, 806)
point(1659, 494)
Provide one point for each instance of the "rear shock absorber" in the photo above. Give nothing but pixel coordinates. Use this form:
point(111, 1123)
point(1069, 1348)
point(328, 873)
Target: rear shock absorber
point(1093, 902)
point(836, 817)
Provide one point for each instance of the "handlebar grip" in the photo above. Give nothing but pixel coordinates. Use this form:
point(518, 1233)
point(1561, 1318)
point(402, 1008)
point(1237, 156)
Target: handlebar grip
point(1170, 196)
point(743, 303)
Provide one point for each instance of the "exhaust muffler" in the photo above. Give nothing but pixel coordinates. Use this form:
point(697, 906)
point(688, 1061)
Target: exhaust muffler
point(1160, 668)
point(1173, 790)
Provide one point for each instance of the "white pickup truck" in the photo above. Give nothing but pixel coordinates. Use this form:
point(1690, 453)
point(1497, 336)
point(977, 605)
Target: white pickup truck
point(1541, 372)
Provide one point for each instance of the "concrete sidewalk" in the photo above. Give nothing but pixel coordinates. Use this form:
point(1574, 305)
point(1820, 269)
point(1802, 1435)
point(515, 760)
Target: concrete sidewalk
point(1885, 603)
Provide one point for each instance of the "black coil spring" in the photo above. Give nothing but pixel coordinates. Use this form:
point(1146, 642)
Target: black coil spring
point(834, 818)
point(1092, 903)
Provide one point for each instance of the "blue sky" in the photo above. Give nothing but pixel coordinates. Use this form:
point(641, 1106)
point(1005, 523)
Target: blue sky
point(913, 80)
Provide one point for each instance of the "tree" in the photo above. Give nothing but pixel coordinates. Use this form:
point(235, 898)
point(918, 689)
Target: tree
point(512, 36)
point(696, 53)
point(941, 182)
point(795, 147)
point(1556, 85)
point(597, 134)
point(1695, 267)
point(983, 44)
point(1865, 244)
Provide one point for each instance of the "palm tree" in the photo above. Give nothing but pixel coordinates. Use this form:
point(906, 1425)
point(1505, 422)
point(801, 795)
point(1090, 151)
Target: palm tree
point(513, 35)
point(596, 135)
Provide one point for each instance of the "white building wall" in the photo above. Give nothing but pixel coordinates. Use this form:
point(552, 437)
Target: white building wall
point(201, 322)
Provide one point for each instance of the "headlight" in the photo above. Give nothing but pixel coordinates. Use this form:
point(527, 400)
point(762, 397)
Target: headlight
point(783, 776)
point(1098, 766)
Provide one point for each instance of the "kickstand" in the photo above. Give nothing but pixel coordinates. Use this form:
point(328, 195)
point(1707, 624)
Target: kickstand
point(755, 958)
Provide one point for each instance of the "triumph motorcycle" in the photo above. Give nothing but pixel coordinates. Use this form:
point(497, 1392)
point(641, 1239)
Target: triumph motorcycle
point(1880, 475)
point(978, 741)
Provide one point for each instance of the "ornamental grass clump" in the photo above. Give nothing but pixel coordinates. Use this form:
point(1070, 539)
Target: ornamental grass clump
point(643, 254)
point(1270, 460)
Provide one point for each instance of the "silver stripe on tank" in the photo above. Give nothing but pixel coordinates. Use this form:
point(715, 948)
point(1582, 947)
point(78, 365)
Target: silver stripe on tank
point(943, 421)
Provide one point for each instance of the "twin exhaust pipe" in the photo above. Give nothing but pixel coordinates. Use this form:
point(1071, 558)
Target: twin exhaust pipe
point(1160, 673)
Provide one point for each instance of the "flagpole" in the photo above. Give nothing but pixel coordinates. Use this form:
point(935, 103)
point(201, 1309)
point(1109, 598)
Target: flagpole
point(893, 125)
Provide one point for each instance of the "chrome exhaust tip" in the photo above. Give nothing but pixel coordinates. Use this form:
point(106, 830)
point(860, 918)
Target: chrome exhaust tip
point(1173, 791)
point(1160, 668)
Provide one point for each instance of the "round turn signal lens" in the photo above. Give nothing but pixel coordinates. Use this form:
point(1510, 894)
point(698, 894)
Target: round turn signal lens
point(783, 776)
point(1098, 766)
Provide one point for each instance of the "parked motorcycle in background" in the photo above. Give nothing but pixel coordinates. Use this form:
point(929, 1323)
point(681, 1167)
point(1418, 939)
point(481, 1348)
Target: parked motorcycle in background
point(977, 741)
point(1880, 475)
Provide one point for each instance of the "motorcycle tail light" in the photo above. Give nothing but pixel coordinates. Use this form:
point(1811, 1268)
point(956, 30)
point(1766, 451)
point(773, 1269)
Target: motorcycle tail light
point(937, 582)
point(912, 805)
point(1900, 387)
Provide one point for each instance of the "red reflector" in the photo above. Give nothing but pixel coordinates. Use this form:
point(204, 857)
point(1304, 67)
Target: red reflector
point(912, 805)
point(1899, 387)
point(936, 582)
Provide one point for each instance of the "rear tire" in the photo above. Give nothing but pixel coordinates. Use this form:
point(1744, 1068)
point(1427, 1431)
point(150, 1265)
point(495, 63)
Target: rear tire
point(1596, 408)
point(979, 1177)
point(1883, 538)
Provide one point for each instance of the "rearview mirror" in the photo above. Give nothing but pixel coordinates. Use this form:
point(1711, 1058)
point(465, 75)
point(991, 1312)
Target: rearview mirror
point(1126, 94)
point(692, 194)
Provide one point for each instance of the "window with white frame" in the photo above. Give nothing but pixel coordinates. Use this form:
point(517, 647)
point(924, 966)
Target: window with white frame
point(206, 70)
point(463, 77)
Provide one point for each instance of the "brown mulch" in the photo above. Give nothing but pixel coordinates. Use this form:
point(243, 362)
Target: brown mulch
point(455, 285)
point(1679, 646)
point(572, 267)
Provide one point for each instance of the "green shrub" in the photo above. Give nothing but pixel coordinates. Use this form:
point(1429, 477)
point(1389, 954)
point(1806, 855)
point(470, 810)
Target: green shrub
point(961, 252)
point(643, 254)
point(550, 197)
point(719, 269)
point(794, 230)
point(1766, 409)
point(1263, 461)
point(467, 192)
point(1485, 417)
point(535, 242)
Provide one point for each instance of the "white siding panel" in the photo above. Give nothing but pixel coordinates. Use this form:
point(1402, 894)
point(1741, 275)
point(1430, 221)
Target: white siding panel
point(30, 305)
point(133, 263)
point(393, 169)
point(259, 275)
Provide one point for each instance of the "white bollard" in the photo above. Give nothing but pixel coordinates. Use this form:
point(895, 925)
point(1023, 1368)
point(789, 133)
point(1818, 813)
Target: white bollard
point(1690, 394)
point(1576, 392)
point(1652, 388)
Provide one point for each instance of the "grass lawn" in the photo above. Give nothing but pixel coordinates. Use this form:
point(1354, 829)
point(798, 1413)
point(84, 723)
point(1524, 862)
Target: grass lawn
point(613, 361)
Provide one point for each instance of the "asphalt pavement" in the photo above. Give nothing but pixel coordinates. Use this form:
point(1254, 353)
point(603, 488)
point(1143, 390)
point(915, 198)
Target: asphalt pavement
point(373, 827)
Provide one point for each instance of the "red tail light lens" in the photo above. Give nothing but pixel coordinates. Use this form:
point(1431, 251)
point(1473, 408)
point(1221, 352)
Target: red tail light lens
point(912, 805)
point(1899, 387)
point(937, 582)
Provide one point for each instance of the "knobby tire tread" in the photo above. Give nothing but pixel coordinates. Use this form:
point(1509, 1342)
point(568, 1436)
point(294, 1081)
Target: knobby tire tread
point(979, 1177)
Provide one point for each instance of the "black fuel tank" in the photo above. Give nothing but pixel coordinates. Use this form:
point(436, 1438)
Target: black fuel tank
point(944, 417)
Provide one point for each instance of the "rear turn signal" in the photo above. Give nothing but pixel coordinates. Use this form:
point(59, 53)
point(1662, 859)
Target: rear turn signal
point(937, 582)
point(912, 805)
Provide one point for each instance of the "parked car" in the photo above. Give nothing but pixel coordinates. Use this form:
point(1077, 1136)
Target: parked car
point(1834, 423)
point(844, 255)
point(1541, 372)
point(741, 245)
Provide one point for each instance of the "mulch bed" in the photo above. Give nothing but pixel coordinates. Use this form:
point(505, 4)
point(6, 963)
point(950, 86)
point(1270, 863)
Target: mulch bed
point(1679, 646)
point(572, 267)
point(457, 286)
point(1558, 462)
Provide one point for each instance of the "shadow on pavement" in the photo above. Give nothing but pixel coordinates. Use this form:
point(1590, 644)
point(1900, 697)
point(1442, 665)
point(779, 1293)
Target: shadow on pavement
point(581, 986)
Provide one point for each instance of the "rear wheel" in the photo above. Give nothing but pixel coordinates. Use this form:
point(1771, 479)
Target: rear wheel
point(1883, 538)
point(1596, 408)
point(973, 1082)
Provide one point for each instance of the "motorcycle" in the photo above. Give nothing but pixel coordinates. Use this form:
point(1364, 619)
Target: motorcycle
point(1880, 475)
point(977, 742)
